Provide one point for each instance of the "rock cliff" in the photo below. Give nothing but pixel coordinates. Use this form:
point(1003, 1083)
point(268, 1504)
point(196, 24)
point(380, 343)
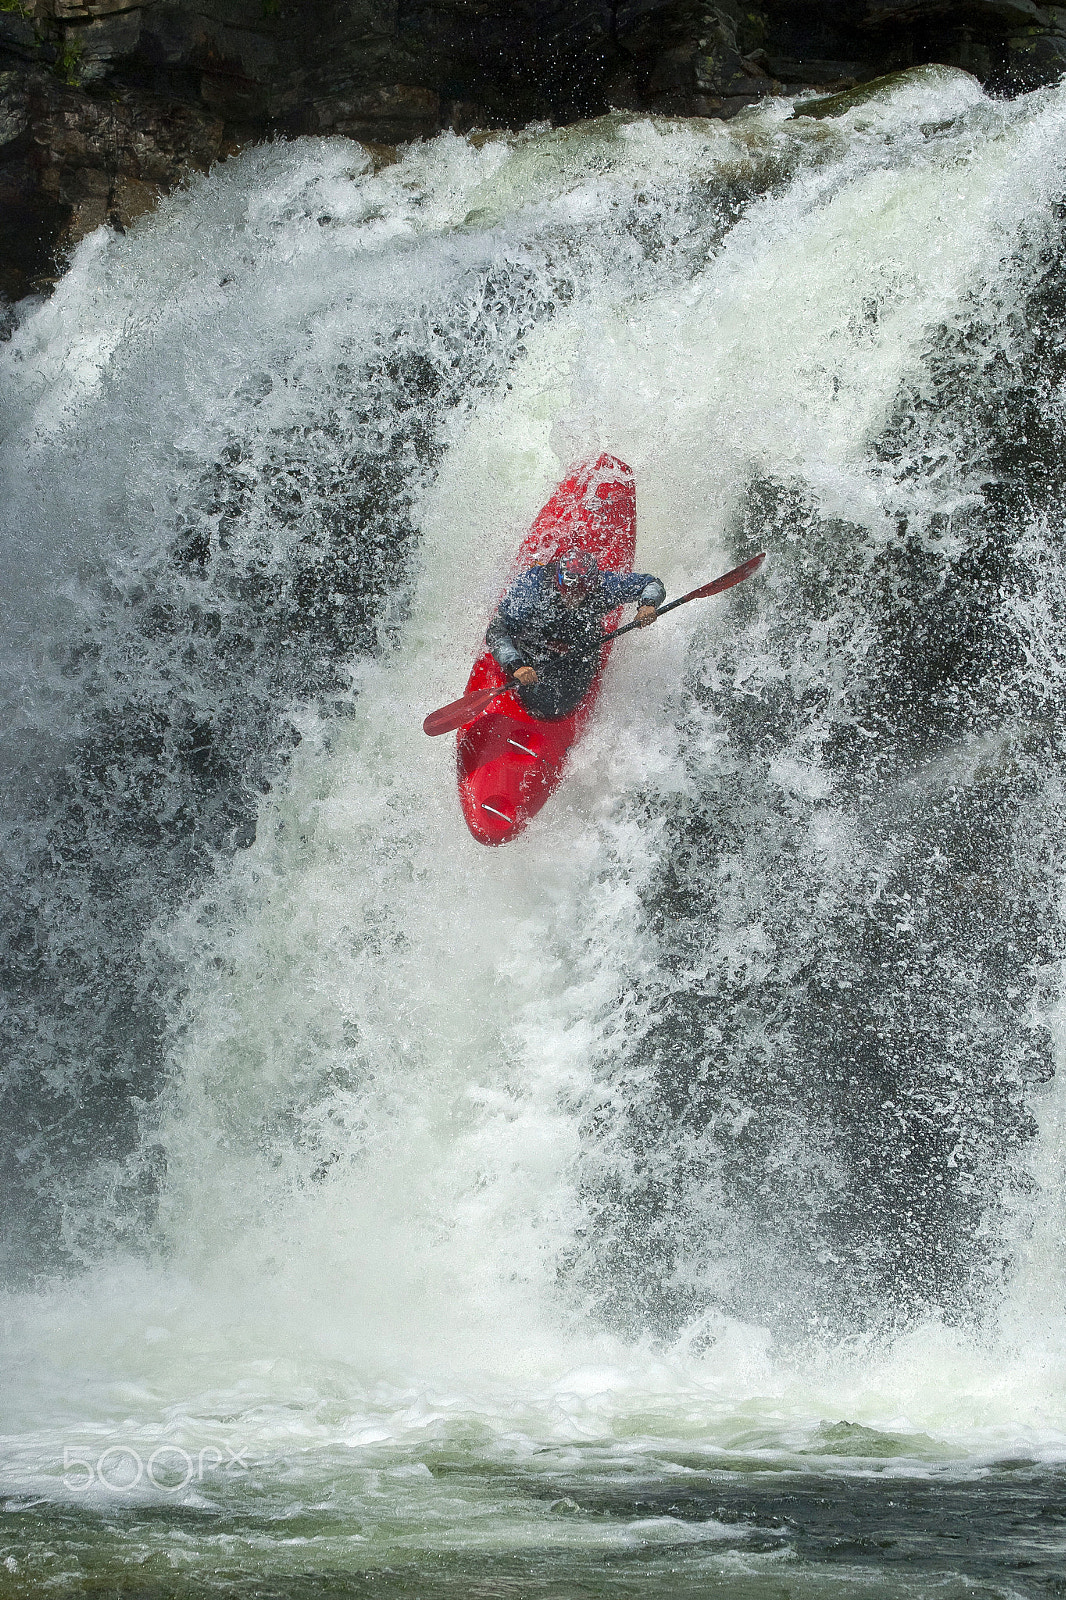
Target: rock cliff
point(105, 103)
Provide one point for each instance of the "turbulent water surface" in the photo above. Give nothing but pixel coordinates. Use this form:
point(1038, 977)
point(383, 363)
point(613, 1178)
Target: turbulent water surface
point(669, 1201)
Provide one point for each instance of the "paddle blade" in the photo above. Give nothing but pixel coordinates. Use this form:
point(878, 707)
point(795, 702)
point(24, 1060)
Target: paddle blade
point(737, 575)
point(453, 716)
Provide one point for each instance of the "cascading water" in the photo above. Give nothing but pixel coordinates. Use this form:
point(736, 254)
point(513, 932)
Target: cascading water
point(384, 1212)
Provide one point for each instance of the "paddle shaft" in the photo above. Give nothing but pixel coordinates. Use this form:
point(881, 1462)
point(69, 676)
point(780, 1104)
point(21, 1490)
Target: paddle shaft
point(616, 633)
point(737, 575)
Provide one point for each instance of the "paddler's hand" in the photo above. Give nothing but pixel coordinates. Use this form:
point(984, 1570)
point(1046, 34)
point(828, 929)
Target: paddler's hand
point(646, 614)
point(526, 676)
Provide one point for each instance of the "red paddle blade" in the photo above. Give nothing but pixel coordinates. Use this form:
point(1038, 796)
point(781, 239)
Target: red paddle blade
point(453, 716)
point(737, 575)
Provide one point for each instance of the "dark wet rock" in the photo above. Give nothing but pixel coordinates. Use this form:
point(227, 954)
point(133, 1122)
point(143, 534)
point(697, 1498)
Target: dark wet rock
point(995, 14)
point(812, 73)
point(379, 113)
point(105, 103)
point(1035, 59)
point(70, 161)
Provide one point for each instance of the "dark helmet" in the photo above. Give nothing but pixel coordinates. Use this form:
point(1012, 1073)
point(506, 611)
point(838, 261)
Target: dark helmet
point(577, 573)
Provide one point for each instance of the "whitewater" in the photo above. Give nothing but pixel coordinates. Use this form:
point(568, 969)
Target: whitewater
point(653, 1202)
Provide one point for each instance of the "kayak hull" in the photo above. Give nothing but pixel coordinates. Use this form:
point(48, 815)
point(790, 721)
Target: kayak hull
point(509, 762)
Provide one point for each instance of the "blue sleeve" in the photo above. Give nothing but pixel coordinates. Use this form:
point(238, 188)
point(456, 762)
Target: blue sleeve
point(623, 588)
point(515, 608)
point(520, 599)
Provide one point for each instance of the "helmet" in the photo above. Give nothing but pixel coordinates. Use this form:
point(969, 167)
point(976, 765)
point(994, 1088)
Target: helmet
point(577, 572)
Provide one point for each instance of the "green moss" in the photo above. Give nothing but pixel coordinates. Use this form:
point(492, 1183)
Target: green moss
point(835, 105)
point(67, 64)
point(14, 5)
point(271, 7)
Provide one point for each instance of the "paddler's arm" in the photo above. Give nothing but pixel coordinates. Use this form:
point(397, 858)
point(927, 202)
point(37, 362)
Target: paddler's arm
point(514, 608)
point(506, 652)
point(623, 589)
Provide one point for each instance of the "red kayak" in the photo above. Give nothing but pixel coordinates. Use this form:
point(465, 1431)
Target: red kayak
point(509, 762)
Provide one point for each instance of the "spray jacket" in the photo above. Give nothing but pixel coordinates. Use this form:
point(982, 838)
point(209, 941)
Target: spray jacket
point(533, 625)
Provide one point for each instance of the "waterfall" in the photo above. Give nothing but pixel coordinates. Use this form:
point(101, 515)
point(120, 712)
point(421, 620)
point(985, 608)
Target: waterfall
point(731, 1083)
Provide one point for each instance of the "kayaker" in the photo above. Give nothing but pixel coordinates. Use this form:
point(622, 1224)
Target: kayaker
point(547, 628)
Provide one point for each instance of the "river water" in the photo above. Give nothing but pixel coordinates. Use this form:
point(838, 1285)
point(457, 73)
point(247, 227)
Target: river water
point(669, 1202)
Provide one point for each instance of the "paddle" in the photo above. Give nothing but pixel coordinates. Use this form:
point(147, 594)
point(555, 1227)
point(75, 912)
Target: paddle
point(737, 575)
point(459, 712)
